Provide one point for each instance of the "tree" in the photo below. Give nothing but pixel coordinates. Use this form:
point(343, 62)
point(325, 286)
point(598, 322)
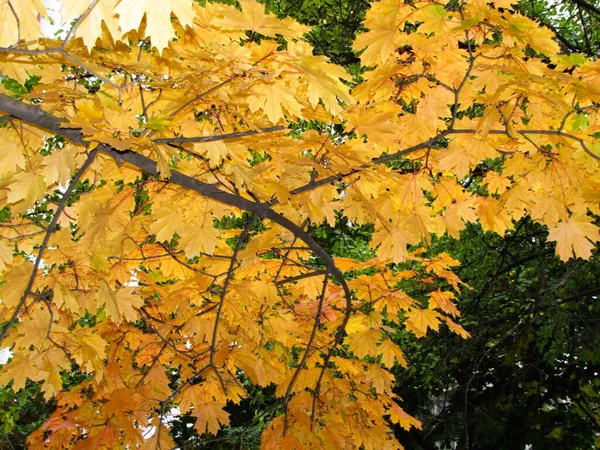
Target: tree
point(526, 377)
point(165, 171)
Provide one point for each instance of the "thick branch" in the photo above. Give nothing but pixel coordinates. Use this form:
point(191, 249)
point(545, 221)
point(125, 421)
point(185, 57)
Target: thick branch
point(35, 116)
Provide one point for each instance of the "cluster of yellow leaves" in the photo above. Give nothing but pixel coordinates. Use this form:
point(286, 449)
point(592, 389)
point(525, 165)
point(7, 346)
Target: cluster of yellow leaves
point(538, 153)
point(137, 283)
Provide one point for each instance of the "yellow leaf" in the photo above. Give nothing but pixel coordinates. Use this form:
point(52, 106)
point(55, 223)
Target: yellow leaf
point(393, 244)
point(252, 17)
point(399, 416)
point(380, 41)
point(158, 18)
point(19, 369)
point(196, 239)
point(60, 164)
point(29, 187)
point(273, 98)
point(63, 298)
point(27, 27)
point(380, 379)
point(16, 281)
point(215, 151)
point(90, 29)
point(496, 183)
point(210, 417)
point(89, 351)
point(167, 223)
point(492, 216)
point(456, 328)
point(443, 300)
point(575, 237)
point(128, 302)
point(390, 353)
point(119, 304)
point(6, 254)
point(420, 320)
point(363, 343)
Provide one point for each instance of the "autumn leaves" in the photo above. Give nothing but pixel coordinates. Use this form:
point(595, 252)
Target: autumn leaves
point(207, 143)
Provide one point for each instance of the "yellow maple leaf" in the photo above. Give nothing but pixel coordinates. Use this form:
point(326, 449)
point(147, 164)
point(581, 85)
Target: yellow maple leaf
point(19, 369)
point(497, 184)
point(89, 351)
point(6, 254)
point(60, 164)
point(492, 216)
point(380, 379)
point(273, 98)
point(574, 237)
point(196, 239)
point(167, 223)
point(17, 280)
point(252, 17)
point(380, 41)
point(215, 151)
point(443, 300)
point(420, 320)
point(20, 20)
point(124, 303)
point(323, 79)
point(28, 187)
point(63, 298)
point(363, 343)
point(399, 416)
point(390, 352)
point(158, 18)
point(393, 244)
point(90, 27)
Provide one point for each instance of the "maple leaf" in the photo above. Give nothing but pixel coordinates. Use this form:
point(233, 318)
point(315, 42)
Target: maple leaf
point(168, 222)
point(60, 164)
point(119, 304)
point(381, 39)
point(158, 18)
point(393, 244)
point(399, 416)
point(364, 343)
point(420, 320)
point(19, 277)
point(574, 237)
point(63, 297)
point(20, 19)
point(19, 369)
point(215, 151)
point(28, 187)
point(210, 417)
point(252, 17)
point(89, 351)
point(6, 255)
point(443, 300)
point(90, 29)
point(197, 239)
point(390, 353)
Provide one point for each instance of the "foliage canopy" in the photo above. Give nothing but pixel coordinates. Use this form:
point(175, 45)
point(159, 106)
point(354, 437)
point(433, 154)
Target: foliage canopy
point(166, 164)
